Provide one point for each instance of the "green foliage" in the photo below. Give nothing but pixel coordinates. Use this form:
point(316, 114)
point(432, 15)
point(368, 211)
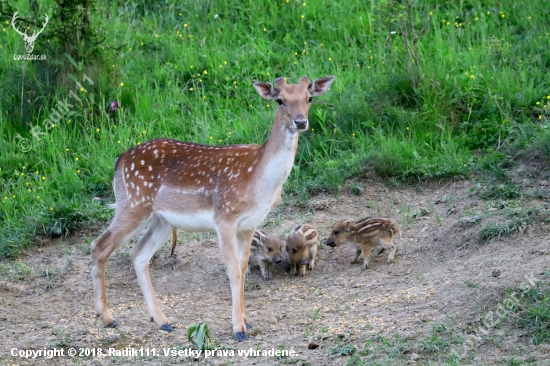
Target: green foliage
point(534, 315)
point(199, 336)
point(540, 147)
point(507, 191)
point(343, 350)
point(72, 30)
point(69, 41)
point(516, 222)
point(456, 82)
point(62, 220)
point(440, 339)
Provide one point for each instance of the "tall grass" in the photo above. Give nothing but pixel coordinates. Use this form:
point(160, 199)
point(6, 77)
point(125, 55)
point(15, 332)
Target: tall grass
point(185, 71)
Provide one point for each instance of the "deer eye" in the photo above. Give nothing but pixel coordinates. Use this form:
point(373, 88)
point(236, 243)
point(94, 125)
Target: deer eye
point(294, 251)
point(269, 249)
point(280, 102)
point(336, 232)
point(310, 99)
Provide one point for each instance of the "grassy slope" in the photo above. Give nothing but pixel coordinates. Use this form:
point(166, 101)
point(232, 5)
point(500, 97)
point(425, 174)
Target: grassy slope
point(185, 71)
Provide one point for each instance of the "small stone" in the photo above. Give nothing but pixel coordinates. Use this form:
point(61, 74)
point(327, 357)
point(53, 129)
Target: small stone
point(496, 273)
point(320, 205)
point(312, 346)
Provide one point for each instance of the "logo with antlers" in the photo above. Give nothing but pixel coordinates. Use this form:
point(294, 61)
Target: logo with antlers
point(29, 40)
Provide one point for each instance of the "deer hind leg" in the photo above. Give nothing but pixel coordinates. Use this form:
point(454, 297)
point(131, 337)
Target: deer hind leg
point(230, 253)
point(174, 240)
point(118, 233)
point(244, 241)
point(156, 235)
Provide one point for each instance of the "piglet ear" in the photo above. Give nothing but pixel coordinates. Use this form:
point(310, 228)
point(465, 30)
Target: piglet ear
point(320, 86)
point(347, 225)
point(266, 90)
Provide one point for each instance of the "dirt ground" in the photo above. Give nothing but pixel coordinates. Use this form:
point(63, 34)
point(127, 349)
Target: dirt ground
point(442, 275)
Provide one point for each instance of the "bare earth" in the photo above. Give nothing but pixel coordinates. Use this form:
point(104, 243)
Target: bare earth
point(442, 275)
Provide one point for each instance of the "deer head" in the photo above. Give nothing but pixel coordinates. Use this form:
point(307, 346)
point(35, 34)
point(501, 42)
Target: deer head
point(29, 40)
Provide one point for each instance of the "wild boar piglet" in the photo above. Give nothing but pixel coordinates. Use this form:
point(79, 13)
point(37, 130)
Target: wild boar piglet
point(265, 250)
point(363, 234)
point(301, 247)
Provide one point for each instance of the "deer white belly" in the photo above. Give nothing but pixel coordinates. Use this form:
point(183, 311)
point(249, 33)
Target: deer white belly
point(198, 221)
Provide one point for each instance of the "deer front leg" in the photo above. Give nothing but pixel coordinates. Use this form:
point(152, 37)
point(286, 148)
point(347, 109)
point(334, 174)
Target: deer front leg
point(244, 242)
point(228, 243)
point(141, 254)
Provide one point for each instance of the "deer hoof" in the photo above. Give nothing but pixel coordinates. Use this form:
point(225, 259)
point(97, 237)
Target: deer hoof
point(113, 324)
point(248, 326)
point(166, 328)
point(241, 336)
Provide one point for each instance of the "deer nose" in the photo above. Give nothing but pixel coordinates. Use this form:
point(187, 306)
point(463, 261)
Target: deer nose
point(300, 121)
point(305, 261)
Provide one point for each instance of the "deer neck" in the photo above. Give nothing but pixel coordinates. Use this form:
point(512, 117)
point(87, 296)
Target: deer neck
point(277, 155)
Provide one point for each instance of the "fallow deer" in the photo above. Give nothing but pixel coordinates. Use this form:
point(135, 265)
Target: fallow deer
point(167, 183)
point(363, 234)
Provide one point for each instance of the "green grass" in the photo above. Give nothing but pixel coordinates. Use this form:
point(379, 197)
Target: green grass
point(534, 314)
point(514, 222)
point(199, 336)
point(480, 83)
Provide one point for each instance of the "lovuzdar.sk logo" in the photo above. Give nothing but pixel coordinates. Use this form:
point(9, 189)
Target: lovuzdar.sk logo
point(29, 41)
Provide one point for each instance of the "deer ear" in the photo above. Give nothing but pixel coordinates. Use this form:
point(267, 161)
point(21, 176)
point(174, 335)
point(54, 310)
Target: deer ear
point(266, 90)
point(304, 81)
point(320, 86)
point(347, 225)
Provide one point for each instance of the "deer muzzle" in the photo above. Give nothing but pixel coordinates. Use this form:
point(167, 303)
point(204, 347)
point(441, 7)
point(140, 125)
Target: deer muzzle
point(300, 121)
